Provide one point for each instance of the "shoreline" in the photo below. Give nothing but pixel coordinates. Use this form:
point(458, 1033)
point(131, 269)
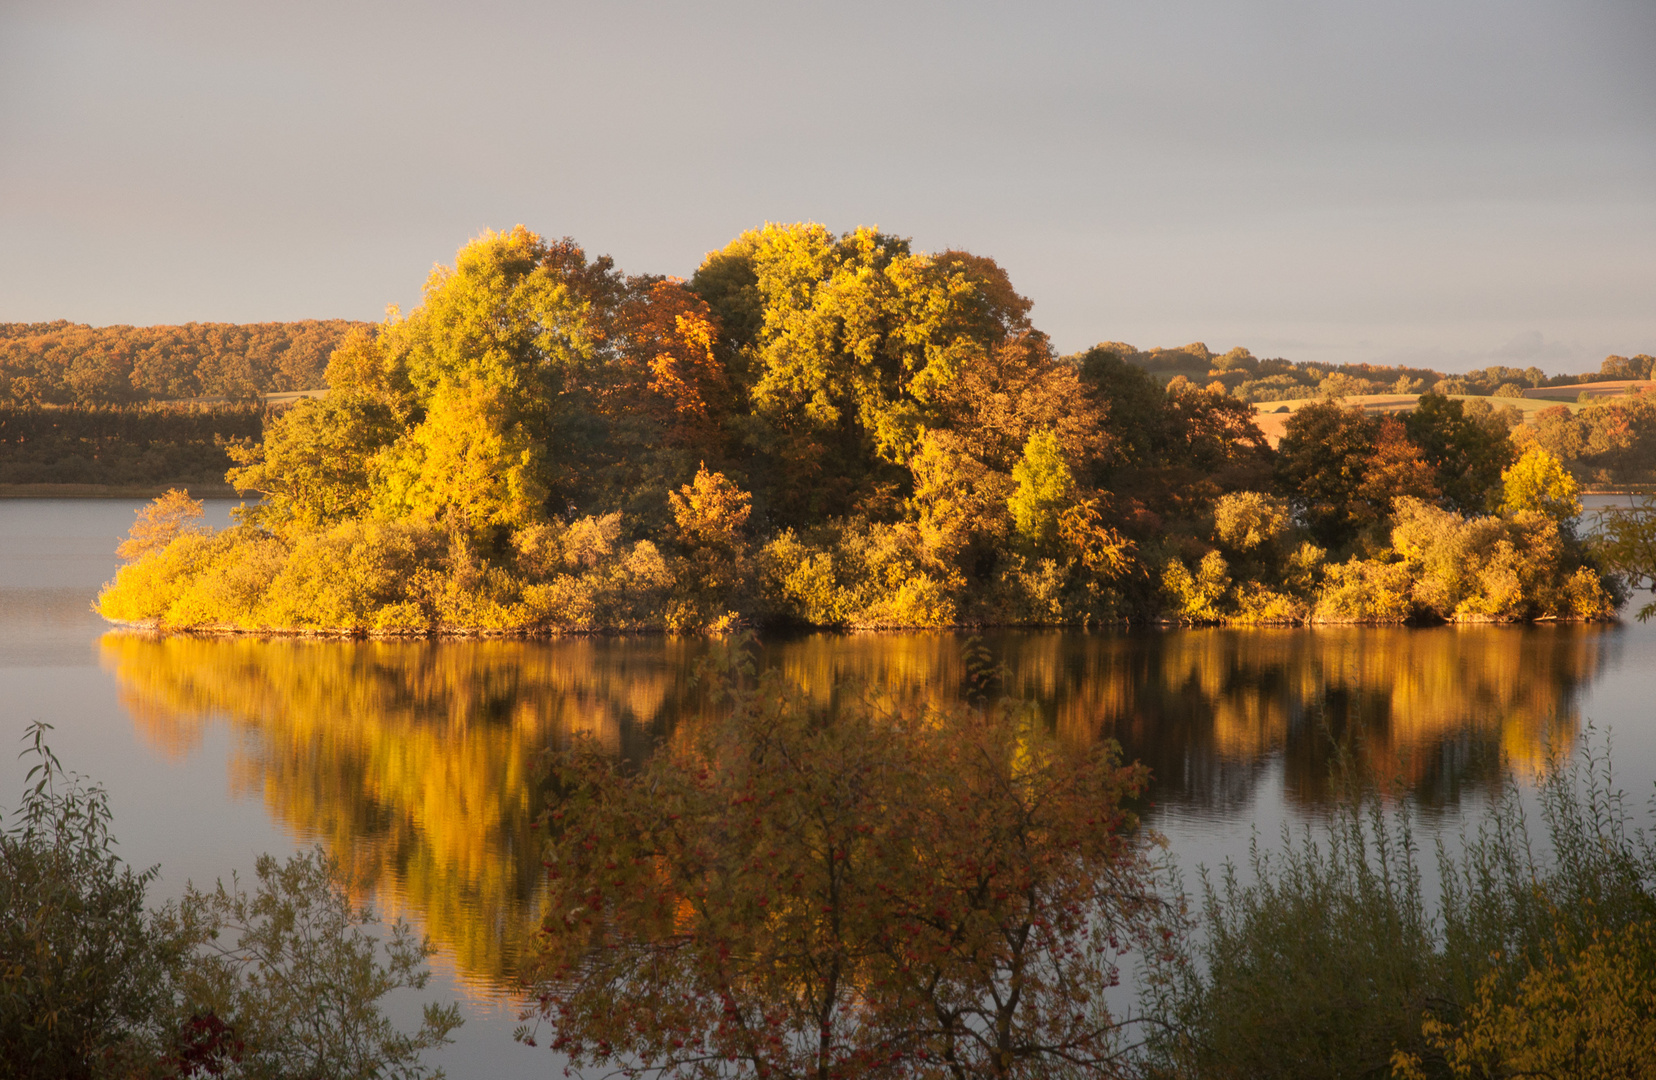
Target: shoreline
point(153, 630)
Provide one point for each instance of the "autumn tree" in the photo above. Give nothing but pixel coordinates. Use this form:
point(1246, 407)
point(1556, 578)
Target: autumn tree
point(848, 344)
point(877, 895)
point(160, 523)
point(313, 465)
point(1466, 450)
point(672, 337)
point(1538, 482)
point(1322, 463)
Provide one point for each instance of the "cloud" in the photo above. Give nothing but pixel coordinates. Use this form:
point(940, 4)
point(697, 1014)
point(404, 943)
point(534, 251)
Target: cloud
point(1533, 348)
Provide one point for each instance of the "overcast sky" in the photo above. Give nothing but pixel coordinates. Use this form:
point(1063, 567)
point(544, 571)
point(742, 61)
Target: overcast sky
point(1445, 182)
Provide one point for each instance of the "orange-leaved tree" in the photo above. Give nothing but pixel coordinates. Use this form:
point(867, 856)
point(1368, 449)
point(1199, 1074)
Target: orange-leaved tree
point(784, 894)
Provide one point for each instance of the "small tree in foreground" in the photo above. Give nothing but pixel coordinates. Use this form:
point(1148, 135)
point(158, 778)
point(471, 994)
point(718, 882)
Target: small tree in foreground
point(85, 971)
point(92, 984)
point(880, 894)
point(302, 983)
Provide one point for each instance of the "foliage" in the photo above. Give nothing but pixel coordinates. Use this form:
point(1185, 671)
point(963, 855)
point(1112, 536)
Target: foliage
point(63, 363)
point(1317, 965)
point(907, 893)
point(820, 428)
point(1467, 449)
point(1328, 960)
point(145, 444)
point(95, 985)
point(1538, 483)
point(1610, 441)
point(1626, 543)
point(160, 523)
point(311, 469)
point(1590, 1015)
point(302, 983)
point(87, 977)
point(1044, 487)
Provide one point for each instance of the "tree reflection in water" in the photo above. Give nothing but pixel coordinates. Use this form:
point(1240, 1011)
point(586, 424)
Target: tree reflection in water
point(414, 760)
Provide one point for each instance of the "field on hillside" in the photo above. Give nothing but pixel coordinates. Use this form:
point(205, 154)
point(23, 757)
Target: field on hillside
point(1272, 416)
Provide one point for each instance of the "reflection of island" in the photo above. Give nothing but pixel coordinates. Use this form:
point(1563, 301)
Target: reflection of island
point(414, 761)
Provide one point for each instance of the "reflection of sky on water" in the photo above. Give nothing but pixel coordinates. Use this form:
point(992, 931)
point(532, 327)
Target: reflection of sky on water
point(412, 760)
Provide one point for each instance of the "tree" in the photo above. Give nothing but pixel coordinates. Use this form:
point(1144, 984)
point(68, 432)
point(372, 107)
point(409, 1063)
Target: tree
point(95, 985)
point(1586, 1016)
point(313, 465)
point(301, 985)
point(1626, 545)
point(1322, 463)
point(673, 337)
point(86, 979)
point(160, 523)
point(1538, 482)
point(880, 895)
point(467, 464)
point(848, 346)
point(1045, 486)
point(1467, 451)
point(1397, 470)
point(711, 512)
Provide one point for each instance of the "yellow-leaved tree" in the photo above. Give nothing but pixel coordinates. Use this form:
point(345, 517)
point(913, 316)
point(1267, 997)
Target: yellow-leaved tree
point(1539, 482)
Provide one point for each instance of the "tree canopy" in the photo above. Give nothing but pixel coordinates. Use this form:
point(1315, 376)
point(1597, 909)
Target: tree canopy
point(546, 443)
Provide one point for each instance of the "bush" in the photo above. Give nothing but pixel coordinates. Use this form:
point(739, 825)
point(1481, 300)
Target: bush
point(95, 985)
point(1330, 962)
point(87, 979)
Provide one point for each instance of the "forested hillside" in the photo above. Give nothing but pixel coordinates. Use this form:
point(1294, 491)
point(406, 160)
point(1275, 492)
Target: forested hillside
point(833, 430)
point(62, 363)
point(1243, 375)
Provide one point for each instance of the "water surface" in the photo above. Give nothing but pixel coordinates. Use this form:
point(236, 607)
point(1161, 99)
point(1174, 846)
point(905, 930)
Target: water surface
point(413, 761)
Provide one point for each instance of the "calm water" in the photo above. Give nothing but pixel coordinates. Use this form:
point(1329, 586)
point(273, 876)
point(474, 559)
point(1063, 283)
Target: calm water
point(412, 761)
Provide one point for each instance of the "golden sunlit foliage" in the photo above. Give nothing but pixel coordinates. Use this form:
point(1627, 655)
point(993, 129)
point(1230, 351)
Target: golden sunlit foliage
point(831, 430)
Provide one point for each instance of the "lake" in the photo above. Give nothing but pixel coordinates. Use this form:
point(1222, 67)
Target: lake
point(413, 761)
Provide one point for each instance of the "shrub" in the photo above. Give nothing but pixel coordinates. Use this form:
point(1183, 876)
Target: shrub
point(1328, 961)
point(86, 980)
point(1198, 597)
point(94, 985)
point(1365, 591)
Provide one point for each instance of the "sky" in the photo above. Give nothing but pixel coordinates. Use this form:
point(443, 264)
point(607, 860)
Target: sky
point(1451, 183)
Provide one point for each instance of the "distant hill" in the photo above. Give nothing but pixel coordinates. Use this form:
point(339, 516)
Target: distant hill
point(1241, 374)
point(64, 363)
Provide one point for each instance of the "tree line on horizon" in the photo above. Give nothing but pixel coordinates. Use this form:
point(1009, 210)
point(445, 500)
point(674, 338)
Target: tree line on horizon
point(60, 363)
point(68, 364)
point(833, 430)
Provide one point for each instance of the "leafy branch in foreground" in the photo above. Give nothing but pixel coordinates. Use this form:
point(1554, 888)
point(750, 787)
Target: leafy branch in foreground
point(303, 981)
point(92, 984)
point(884, 894)
point(86, 973)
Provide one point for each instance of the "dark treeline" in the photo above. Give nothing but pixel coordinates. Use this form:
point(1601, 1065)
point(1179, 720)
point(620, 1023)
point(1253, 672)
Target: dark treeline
point(123, 445)
point(834, 430)
point(63, 363)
